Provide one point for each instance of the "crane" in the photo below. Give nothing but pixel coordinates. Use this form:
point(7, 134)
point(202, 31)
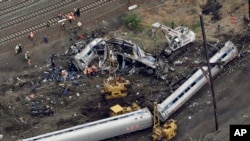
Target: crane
point(177, 38)
point(114, 87)
point(165, 132)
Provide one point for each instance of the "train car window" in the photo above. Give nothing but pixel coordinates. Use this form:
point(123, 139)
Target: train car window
point(187, 89)
point(89, 52)
point(193, 84)
point(167, 107)
point(199, 78)
point(175, 100)
point(181, 95)
point(81, 61)
point(224, 55)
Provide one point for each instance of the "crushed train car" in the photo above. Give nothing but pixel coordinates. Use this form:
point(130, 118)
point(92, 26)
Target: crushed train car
point(128, 54)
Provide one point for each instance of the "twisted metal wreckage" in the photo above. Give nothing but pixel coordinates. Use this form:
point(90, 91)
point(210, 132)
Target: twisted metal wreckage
point(130, 57)
point(143, 118)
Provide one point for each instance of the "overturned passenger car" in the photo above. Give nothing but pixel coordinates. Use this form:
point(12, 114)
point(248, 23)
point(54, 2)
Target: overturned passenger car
point(127, 53)
point(82, 60)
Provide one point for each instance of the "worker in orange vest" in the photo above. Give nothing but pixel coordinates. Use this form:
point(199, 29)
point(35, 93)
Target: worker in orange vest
point(73, 18)
point(85, 72)
point(31, 36)
point(90, 71)
point(95, 69)
point(70, 17)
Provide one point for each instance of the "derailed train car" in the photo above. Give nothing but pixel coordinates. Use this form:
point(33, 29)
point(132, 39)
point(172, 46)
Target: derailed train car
point(196, 82)
point(82, 60)
point(142, 119)
point(125, 50)
point(101, 129)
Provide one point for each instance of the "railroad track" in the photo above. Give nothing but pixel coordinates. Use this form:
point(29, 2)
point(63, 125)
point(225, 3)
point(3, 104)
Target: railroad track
point(39, 12)
point(2, 1)
point(25, 32)
point(18, 6)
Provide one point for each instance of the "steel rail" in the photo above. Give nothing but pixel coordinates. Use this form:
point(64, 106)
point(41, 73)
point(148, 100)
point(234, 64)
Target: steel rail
point(85, 9)
point(18, 6)
point(42, 11)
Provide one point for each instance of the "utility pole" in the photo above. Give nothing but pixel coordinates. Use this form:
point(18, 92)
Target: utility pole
point(249, 9)
point(209, 71)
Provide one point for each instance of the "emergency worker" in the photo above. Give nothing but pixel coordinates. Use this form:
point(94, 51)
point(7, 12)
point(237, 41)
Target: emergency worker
point(31, 36)
point(70, 18)
point(63, 26)
point(78, 12)
point(20, 48)
point(94, 68)
point(27, 58)
point(16, 49)
point(75, 11)
point(59, 15)
point(27, 55)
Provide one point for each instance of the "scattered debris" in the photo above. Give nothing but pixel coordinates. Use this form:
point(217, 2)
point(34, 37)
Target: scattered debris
point(132, 7)
point(128, 54)
point(41, 112)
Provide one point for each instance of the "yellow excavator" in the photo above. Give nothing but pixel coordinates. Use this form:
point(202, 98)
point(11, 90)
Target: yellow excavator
point(165, 132)
point(114, 87)
point(118, 110)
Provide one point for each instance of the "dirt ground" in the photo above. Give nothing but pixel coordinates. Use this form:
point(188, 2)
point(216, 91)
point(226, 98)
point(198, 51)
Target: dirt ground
point(23, 87)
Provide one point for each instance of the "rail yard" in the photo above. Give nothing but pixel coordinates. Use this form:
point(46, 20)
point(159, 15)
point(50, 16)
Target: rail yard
point(63, 72)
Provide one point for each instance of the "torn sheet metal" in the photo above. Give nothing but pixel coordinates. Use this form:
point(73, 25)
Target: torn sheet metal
point(82, 60)
point(133, 51)
point(127, 53)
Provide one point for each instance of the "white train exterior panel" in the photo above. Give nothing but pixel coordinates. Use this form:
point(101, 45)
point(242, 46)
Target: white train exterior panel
point(195, 82)
point(102, 129)
point(82, 59)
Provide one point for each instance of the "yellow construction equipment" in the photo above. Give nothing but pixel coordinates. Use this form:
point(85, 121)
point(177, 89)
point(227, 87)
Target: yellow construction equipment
point(118, 110)
point(167, 131)
point(114, 87)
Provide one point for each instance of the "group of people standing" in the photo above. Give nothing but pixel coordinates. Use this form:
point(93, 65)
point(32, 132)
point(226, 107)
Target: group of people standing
point(19, 50)
point(70, 17)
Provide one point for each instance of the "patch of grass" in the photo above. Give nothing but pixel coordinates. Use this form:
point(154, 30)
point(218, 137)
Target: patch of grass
point(133, 22)
point(193, 11)
point(196, 27)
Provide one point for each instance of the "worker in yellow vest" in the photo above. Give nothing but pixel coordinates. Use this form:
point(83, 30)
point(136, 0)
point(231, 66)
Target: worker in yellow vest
point(27, 58)
point(27, 55)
